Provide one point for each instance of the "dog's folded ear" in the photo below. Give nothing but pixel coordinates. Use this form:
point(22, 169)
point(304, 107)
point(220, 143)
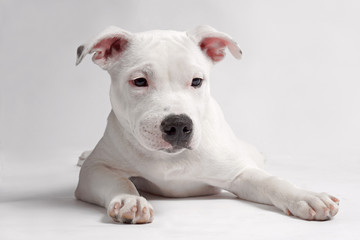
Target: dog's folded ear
point(108, 47)
point(213, 42)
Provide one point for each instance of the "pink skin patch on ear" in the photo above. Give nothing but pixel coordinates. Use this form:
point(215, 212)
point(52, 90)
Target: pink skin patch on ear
point(108, 48)
point(214, 48)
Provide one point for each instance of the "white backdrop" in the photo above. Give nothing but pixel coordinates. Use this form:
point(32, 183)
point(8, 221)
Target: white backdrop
point(295, 94)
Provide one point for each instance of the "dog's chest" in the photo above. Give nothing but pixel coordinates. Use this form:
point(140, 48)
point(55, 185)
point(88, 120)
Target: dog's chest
point(174, 188)
point(177, 179)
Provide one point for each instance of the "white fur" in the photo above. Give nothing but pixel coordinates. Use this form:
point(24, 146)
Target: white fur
point(132, 153)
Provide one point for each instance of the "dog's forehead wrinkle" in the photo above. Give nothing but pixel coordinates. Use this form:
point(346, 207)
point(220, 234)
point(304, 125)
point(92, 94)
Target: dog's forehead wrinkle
point(144, 70)
point(162, 34)
point(160, 42)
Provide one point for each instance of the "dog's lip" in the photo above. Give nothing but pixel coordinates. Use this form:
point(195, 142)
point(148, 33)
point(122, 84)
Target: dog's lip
point(175, 150)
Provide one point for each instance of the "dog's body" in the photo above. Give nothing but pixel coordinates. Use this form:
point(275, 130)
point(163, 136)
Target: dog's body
point(166, 135)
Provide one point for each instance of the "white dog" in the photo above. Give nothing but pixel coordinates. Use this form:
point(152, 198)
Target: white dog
point(166, 135)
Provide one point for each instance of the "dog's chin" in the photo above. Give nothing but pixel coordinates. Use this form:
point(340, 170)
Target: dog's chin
point(166, 148)
point(175, 150)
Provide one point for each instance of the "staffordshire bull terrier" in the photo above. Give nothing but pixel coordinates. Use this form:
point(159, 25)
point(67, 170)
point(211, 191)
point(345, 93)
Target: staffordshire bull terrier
point(166, 135)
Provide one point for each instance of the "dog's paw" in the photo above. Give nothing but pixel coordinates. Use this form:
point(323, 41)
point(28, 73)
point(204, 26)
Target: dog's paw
point(313, 206)
point(131, 209)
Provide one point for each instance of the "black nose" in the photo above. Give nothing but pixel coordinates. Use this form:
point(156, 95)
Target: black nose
point(177, 130)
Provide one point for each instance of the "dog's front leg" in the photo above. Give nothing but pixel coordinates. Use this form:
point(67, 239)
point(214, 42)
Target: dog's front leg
point(113, 190)
point(256, 185)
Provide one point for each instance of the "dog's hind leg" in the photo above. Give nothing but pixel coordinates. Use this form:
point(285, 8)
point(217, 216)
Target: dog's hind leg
point(83, 157)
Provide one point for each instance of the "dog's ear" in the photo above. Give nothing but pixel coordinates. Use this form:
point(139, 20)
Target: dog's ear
point(108, 47)
point(213, 42)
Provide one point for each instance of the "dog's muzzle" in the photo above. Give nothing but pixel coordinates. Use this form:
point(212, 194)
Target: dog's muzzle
point(177, 130)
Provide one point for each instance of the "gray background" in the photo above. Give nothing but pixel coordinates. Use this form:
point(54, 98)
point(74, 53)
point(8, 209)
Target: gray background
point(295, 95)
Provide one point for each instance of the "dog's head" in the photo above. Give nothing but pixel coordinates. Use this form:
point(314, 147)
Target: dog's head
point(160, 81)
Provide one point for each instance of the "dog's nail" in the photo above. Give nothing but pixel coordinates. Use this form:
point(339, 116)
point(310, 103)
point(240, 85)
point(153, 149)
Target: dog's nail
point(127, 217)
point(333, 210)
point(337, 201)
point(312, 214)
point(144, 210)
point(134, 209)
point(326, 210)
point(112, 214)
point(288, 212)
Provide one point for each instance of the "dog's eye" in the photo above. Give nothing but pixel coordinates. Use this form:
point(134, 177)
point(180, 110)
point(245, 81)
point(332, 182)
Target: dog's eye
point(196, 82)
point(140, 82)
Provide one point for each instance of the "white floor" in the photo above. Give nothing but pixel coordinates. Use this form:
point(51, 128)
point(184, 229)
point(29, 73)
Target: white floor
point(37, 202)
